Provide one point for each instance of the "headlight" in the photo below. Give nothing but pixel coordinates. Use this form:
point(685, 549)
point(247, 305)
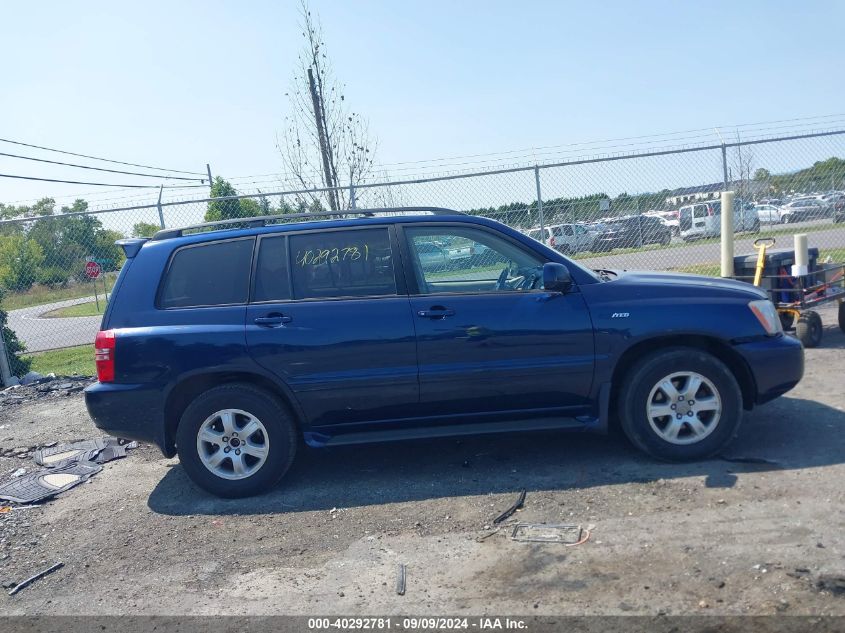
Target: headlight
point(767, 315)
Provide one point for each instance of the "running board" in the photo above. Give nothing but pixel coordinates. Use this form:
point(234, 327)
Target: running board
point(451, 430)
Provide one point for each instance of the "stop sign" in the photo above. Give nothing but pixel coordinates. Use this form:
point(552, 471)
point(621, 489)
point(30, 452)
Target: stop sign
point(92, 269)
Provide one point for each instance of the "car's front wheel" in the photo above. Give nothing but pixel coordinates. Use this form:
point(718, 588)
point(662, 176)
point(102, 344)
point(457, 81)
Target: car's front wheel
point(680, 404)
point(236, 440)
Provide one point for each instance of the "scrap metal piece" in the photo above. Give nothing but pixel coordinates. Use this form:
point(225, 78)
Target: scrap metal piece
point(516, 506)
point(46, 483)
point(400, 580)
point(37, 576)
point(547, 533)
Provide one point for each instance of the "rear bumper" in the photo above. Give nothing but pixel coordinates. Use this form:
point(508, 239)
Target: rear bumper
point(777, 365)
point(128, 411)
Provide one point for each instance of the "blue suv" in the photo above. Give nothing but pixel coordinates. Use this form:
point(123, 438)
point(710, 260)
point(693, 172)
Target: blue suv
point(229, 343)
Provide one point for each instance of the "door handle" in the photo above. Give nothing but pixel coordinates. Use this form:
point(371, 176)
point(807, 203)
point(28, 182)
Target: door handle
point(273, 320)
point(436, 312)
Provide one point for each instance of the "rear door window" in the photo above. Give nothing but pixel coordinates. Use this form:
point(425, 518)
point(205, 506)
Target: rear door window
point(350, 263)
point(211, 274)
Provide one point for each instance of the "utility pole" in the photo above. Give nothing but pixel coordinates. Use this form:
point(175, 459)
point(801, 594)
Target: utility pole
point(319, 120)
point(210, 181)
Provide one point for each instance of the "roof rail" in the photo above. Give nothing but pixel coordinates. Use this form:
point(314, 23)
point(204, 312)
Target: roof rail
point(264, 220)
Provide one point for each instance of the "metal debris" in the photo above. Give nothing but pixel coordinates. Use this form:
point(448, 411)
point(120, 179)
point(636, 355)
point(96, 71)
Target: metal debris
point(32, 579)
point(400, 580)
point(507, 513)
point(550, 533)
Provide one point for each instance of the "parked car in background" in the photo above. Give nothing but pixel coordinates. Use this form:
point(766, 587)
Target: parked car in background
point(704, 219)
point(670, 219)
point(631, 232)
point(767, 213)
point(804, 209)
point(431, 256)
point(839, 210)
point(566, 238)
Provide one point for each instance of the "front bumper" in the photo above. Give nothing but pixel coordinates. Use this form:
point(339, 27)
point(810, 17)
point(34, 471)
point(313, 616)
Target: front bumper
point(129, 411)
point(777, 365)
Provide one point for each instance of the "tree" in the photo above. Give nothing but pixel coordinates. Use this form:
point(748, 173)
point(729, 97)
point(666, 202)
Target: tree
point(20, 259)
point(17, 363)
point(325, 143)
point(144, 229)
point(224, 209)
point(762, 174)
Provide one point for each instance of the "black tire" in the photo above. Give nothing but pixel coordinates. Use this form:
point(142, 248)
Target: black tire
point(809, 328)
point(842, 315)
point(272, 414)
point(666, 239)
point(787, 220)
point(647, 373)
point(787, 320)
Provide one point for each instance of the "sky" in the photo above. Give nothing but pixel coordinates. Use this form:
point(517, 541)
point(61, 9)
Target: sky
point(182, 84)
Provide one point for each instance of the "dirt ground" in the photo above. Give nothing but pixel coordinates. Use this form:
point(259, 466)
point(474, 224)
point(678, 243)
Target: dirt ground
point(713, 537)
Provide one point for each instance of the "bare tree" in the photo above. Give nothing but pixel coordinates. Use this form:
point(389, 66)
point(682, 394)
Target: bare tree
point(742, 170)
point(325, 143)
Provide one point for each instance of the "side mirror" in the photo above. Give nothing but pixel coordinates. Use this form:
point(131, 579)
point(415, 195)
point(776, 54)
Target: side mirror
point(556, 277)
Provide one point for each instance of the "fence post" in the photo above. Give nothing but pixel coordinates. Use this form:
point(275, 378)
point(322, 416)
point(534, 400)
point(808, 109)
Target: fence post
point(351, 195)
point(725, 167)
point(539, 204)
point(5, 370)
point(727, 234)
point(158, 204)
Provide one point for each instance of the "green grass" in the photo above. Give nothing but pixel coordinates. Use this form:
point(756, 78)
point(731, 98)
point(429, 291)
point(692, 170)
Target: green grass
point(38, 295)
point(68, 361)
point(78, 310)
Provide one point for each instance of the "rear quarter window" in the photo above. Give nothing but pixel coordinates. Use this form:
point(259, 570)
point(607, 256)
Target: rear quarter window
point(210, 274)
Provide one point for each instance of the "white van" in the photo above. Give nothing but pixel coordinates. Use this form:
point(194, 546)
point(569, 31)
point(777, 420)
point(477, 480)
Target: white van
point(704, 219)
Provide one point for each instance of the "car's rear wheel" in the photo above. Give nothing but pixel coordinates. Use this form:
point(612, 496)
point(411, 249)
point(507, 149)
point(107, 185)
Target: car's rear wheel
point(680, 404)
point(236, 440)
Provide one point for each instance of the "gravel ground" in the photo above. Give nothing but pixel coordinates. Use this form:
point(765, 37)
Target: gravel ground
point(713, 537)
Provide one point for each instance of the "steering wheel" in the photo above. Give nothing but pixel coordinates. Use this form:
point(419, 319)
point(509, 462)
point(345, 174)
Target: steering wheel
point(502, 281)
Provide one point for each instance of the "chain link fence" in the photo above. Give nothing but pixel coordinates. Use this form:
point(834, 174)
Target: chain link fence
point(654, 210)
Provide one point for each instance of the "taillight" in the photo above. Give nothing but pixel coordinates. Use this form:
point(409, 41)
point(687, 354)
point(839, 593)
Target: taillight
point(104, 355)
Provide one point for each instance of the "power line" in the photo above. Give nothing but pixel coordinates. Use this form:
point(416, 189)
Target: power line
point(82, 182)
point(107, 160)
point(113, 171)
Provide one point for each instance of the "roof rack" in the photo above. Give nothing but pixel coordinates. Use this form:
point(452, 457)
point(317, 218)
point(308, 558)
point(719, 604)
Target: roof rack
point(264, 220)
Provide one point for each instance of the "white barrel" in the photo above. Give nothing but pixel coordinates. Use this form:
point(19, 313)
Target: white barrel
point(802, 253)
point(802, 256)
